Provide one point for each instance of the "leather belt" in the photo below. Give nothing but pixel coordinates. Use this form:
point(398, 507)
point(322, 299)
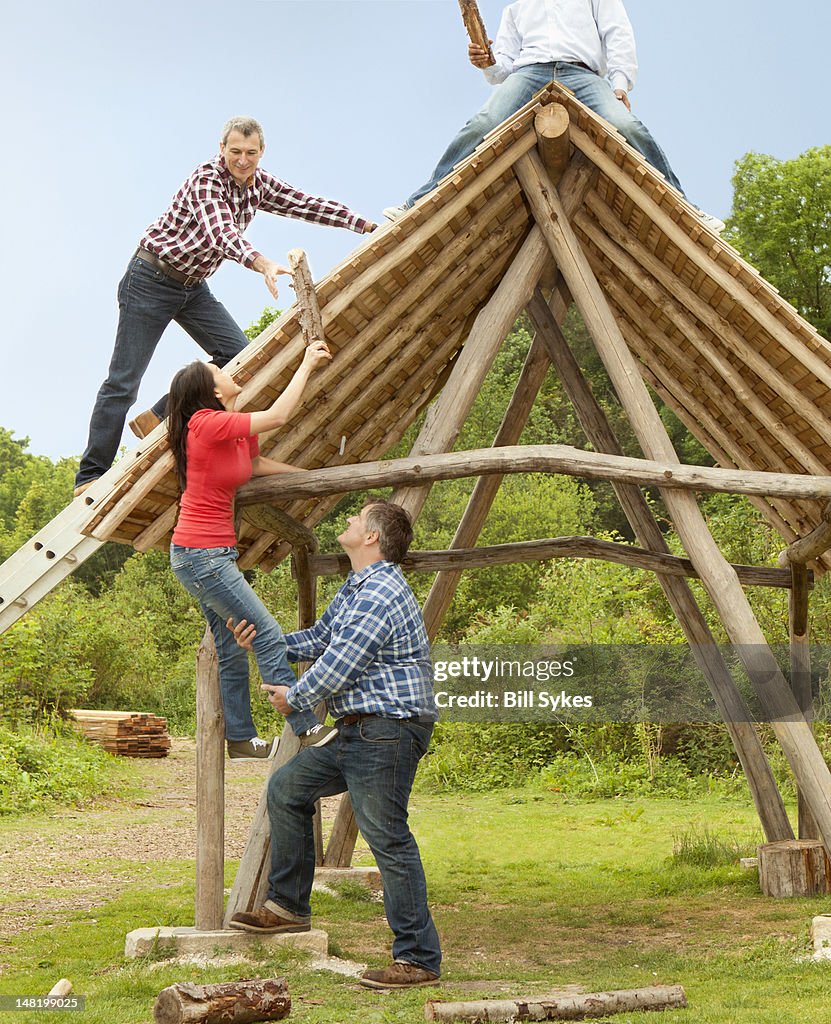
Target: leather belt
point(175, 275)
point(354, 719)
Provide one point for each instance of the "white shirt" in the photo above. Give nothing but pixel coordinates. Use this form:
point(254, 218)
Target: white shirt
point(594, 32)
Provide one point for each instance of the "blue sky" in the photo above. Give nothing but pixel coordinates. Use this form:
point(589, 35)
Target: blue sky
point(108, 107)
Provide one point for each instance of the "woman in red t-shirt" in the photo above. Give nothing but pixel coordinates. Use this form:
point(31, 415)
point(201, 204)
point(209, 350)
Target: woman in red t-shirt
point(216, 450)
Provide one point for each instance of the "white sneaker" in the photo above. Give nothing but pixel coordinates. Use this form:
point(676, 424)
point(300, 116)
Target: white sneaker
point(395, 212)
point(711, 222)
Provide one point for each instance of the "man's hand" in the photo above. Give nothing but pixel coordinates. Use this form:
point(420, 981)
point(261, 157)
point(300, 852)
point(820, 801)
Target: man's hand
point(244, 633)
point(270, 271)
point(478, 56)
point(277, 698)
point(369, 227)
point(623, 96)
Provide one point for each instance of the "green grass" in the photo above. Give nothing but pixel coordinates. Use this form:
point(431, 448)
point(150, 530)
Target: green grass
point(529, 891)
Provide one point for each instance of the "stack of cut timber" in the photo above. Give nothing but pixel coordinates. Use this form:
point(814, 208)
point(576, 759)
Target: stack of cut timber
point(129, 733)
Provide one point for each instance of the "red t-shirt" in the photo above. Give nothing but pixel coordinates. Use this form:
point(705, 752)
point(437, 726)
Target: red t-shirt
point(220, 451)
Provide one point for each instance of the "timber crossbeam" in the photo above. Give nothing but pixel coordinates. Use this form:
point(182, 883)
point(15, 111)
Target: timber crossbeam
point(558, 547)
point(554, 458)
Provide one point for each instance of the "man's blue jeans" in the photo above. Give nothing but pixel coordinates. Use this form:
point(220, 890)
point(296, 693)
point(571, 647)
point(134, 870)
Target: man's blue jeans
point(212, 576)
point(518, 88)
point(375, 760)
point(147, 302)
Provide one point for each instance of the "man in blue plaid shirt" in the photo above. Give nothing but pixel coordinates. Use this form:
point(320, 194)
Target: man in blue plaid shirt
point(373, 668)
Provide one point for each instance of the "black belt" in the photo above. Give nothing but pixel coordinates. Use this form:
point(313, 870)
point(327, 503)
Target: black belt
point(175, 275)
point(580, 64)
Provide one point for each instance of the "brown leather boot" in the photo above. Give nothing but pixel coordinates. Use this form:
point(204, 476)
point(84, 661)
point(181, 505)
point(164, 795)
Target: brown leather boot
point(144, 423)
point(398, 975)
point(266, 922)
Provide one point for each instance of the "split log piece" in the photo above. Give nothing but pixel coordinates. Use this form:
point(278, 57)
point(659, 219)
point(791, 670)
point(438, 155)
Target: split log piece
point(585, 1006)
point(796, 867)
point(311, 323)
point(477, 33)
point(240, 1002)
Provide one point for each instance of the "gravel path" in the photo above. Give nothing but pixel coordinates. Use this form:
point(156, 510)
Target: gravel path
point(74, 859)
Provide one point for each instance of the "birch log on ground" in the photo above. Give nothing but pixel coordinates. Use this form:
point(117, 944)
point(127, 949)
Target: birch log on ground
point(240, 1002)
point(586, 1006)
point(477, 33)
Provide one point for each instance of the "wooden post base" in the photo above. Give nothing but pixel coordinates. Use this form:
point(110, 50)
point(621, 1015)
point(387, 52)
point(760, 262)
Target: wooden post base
point(794, 867)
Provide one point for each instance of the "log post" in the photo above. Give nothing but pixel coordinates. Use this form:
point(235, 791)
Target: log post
point(766, 796)
point(800, 653)
point(450, 410)
point(481, 499)
point(210, 789)
point(553, 145)
point(311, 323)
point(344, 835)
point(719, 579)
point(560, 1007)
point(580, 176)
point(797, 867)
point(477, 33)
point(242, 1002)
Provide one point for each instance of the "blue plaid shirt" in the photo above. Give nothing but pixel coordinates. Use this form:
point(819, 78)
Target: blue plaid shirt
point(372, 651)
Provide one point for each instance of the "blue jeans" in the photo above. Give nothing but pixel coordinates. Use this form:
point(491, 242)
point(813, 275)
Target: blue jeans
point(375, 760)
point(518, 88)
point(212, 576)
point(147, 302)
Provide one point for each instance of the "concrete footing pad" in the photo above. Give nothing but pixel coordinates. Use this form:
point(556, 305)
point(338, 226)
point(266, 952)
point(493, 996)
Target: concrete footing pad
point(821, 937)
point(370, 877)
point(189, 941)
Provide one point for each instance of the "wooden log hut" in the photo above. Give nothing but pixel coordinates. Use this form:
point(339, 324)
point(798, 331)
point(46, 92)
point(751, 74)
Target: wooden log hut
point(553, 210)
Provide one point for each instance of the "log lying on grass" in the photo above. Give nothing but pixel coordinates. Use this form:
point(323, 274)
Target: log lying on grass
point(240, 1002)
point(586, 1006)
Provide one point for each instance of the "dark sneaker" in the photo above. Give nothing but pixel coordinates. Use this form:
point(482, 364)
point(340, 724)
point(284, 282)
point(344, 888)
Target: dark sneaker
point(266, 922)
point(254, 749)
point(398, 975)
point(318, 736)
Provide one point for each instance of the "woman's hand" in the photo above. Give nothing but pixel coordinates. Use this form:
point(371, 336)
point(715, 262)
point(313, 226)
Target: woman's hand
point(316, 355)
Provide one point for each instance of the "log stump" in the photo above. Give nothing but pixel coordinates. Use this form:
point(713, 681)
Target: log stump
point(794, 867)
point(240, 1002)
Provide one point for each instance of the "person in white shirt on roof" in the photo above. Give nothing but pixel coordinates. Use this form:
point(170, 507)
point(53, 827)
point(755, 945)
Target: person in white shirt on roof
point(588, 46)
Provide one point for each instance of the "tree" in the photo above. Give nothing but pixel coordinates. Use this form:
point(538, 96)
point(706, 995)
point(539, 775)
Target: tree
point(781, 222)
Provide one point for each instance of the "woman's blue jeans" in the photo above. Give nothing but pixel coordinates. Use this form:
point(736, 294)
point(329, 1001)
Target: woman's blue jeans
point(518, 88)
point(375, 760)
point(212, 576)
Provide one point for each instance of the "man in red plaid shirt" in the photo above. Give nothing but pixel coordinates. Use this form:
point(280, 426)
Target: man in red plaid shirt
point(166, 277)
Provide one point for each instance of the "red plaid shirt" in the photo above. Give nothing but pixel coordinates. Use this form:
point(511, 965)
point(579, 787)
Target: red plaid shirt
point(204, 224)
